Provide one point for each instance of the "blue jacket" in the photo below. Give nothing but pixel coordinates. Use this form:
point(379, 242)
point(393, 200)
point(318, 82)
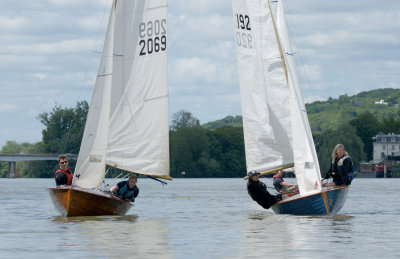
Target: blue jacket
point(124, 192)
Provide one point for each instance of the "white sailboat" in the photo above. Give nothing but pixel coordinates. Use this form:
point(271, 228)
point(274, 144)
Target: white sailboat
point(276, 129)
point(127, 123)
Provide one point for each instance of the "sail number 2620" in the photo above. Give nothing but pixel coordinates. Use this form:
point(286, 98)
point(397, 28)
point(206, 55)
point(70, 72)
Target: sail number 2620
point(243, 31)
point(153, 36)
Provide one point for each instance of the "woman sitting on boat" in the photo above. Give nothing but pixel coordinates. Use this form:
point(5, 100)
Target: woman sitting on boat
point(341, 168)
point(126, 190)
point(258, 191)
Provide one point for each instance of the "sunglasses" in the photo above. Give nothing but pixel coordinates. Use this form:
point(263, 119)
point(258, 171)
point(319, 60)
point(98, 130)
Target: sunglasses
point(64, 162)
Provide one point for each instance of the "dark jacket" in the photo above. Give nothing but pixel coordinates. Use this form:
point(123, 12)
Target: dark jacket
point(63, 177)
point(258, 192)
point(124, 192)
point(341, 171)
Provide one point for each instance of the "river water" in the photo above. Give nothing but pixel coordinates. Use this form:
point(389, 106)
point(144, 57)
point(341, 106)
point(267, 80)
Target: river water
point(199, 218)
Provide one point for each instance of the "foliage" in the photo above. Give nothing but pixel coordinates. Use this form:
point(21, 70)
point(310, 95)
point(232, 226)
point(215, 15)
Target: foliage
point(344, 134)
point(334, 112)
point(227, 149)
point(62, 135)
point(203, 153)
point(216, 149)
point(227, 121)
point(188, 149)
point(183, 119)
point(24, 169)
point(64, 128)
point(367, 126)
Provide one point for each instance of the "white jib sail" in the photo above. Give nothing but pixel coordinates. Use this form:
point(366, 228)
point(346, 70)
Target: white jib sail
point(136, 126)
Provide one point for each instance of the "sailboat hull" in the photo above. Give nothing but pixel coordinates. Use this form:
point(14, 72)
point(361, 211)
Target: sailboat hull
point(76, 201)
point(327, 202)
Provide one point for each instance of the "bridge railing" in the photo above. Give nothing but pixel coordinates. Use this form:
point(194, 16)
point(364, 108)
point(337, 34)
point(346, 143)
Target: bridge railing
point(12, 159)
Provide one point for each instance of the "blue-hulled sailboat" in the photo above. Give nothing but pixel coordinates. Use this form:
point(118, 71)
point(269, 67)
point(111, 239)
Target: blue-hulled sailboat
point(277, 133)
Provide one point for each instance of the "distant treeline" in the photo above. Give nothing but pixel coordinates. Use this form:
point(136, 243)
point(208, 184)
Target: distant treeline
point(216, 149)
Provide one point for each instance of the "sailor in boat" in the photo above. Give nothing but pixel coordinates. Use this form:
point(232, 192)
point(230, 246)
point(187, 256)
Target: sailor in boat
point(63, 176)
point(341, 168)
point(258, 191)
point(280, 184)
point(126, 190)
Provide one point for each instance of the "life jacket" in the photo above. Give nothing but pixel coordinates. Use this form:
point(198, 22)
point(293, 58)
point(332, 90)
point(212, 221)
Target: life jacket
point(276, 176)
point(276, 184)
point(69, 175)
point(125, 193)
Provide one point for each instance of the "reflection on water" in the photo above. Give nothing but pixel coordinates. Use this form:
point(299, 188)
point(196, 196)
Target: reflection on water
point(121, 236)
point(126, 218)
point(299, 236)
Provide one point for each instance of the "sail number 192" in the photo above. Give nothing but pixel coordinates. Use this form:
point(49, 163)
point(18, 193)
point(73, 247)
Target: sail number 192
point(153, 36)
point(243, 31)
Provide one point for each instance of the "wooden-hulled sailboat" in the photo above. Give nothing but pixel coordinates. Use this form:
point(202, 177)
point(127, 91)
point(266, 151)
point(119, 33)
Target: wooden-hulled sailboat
point(277, 133)
point(127, 122)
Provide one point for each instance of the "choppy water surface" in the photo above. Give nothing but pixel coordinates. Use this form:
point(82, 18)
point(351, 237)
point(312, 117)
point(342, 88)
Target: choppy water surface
point(199, 218)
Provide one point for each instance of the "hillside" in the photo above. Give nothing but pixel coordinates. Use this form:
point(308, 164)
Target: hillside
point(227, 121)
point(324, 115)
point(329, 114)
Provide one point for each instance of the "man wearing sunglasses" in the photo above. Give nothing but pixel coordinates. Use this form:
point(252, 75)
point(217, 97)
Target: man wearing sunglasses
point(63, 176)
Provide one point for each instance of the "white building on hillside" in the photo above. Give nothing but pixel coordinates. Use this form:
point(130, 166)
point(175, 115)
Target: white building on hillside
point(381, 102)
point(386, 145)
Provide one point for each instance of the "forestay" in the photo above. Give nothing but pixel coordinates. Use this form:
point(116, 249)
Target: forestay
point(275, 123)
point(127, 123)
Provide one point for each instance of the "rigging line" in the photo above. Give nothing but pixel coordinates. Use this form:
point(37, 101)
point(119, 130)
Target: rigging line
point(303, 59)
point(114, 180)
point(105, 11)
point(278, 57)
point(68, 132)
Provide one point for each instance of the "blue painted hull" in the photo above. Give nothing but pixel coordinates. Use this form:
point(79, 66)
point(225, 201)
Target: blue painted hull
point(328, 201)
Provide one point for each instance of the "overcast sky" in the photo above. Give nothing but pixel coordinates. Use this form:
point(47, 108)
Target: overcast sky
point(50, 53)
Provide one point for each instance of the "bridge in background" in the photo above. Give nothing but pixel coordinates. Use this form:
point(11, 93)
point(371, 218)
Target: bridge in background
point(12, 160)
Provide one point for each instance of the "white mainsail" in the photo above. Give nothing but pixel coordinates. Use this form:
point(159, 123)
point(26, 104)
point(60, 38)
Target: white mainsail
point(127, 123)
point(276, 129)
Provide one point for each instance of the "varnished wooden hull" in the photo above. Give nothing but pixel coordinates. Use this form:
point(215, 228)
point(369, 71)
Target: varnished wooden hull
point(76, 201)
point(327, 202)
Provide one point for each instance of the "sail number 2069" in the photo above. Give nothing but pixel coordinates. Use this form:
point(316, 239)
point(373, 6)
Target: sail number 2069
point(243, 31)
point(153, 36)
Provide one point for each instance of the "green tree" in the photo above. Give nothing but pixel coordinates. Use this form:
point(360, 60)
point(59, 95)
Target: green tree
point(345, 134)
point(64, 128)
point(367, 126)
point(390, 125)
point(188, 149)
point(227, 149)
point(13, 147)
point(62, 134)
point(183, 119)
